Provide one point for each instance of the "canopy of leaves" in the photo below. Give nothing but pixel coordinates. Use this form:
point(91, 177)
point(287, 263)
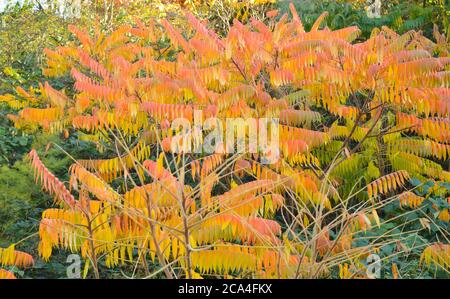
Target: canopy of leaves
point(358, 119)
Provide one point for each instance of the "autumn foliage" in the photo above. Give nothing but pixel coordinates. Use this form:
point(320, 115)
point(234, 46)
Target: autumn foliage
point(9, 257)
point(358, 119)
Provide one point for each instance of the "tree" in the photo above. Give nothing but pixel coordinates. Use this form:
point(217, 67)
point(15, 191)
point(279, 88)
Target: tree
point(357, 120)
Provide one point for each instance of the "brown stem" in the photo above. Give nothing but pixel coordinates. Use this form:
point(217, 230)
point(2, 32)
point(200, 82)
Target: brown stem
point(188, 248)
point(145, 265)
point(185, 224)
point(92, 249)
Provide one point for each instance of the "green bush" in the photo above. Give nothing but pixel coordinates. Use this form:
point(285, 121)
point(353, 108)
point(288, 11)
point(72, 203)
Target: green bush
point(22, 201)
point(401, 16)
point(24, 32)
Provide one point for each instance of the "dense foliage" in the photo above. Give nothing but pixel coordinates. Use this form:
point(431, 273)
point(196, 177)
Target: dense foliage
point(364, 151)
point(400, 16)
point(24, 33)
point(341, 170)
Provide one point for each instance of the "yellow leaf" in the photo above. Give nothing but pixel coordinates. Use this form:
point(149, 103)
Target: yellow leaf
point(375, 216)
point(86, 268)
